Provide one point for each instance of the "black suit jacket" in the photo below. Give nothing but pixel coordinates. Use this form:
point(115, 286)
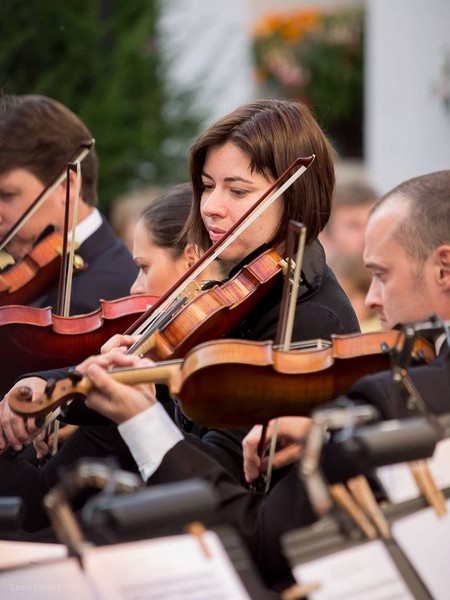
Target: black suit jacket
point(109, 273)
point(432, 381)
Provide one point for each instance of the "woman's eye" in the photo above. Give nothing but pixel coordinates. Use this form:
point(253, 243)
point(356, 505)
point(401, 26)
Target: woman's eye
point(207, 187)
point(7, 196)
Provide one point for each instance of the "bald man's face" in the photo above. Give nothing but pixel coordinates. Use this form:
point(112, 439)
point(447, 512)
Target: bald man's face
point(403, 290)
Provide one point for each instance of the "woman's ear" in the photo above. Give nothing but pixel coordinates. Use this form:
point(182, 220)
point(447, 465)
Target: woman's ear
point(190, 254)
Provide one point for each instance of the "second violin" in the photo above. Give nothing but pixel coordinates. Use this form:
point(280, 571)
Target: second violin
point(37, 339)
point(257, 381)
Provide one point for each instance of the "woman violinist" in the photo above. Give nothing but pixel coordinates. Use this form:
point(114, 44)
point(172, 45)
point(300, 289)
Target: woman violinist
point(232, 164)
point(37, 136)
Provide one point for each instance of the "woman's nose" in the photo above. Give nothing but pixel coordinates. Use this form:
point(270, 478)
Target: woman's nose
point(138, 285)
point(213, 203)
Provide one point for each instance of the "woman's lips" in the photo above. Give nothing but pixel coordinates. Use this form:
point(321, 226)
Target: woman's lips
point(215, 234)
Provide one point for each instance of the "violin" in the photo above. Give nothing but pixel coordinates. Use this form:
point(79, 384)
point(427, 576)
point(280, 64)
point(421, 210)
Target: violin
point(214, 312)
point(60, 341)
point(22, 282)
point(258, 382)
point(17, 284)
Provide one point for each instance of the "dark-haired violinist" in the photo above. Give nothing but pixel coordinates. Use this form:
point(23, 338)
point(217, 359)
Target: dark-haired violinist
point(38, 135)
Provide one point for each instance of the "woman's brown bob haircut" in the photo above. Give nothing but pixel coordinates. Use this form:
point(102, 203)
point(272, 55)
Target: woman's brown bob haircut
point(272, 133)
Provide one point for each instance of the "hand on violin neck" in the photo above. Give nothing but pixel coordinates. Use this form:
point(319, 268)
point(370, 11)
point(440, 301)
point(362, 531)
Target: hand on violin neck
point(120, 342)
point(292, 432)
point(113, 359)
point(15, 430)
point(118, 401)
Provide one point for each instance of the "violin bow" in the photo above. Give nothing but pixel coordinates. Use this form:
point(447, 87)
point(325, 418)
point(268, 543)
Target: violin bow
point(285, 324)
point(81, 152)
point(66, 272)
point(267, 199)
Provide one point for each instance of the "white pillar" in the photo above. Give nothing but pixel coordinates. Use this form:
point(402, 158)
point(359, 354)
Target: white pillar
point(209, 47)
point(407, 122)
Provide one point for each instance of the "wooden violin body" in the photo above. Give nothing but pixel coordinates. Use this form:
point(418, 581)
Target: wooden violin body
point(215, 312)
point(259, 382)
point(35, 339)
point(39, 270)
point(234, 383)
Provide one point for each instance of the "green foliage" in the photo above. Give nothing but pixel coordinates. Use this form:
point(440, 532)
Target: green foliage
point(101, 58)
point(317, 57)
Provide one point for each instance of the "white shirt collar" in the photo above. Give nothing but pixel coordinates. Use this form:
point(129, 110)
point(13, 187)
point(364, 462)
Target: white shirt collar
point(439, 342)
point(87, 226)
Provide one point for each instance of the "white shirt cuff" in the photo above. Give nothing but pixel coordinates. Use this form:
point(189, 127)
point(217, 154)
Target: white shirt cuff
point(150, 435)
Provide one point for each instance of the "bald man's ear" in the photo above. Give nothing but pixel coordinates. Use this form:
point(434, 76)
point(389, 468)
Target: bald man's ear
point(443, 265)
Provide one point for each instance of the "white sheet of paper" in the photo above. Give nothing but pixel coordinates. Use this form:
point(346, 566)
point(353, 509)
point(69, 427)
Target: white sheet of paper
point(425, 540)
point(366, 571)
point(399, 484)
point(13, 554)
point(62, 580)
point(172, 567)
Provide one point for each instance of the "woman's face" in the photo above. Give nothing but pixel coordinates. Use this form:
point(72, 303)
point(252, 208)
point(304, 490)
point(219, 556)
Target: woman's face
point(158, 269)
point(230, 189)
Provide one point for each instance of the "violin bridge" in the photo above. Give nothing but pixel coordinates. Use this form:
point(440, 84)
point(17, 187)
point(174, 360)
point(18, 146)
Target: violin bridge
point(284, 264)
point(191, 290)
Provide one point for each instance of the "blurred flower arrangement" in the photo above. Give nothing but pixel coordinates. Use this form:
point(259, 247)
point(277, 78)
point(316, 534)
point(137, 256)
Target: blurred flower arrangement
point(316, 57)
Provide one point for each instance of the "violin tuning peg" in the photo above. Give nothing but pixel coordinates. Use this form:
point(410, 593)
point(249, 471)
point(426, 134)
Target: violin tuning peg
point(50, 387)
point(74, 376)
point(24, 393)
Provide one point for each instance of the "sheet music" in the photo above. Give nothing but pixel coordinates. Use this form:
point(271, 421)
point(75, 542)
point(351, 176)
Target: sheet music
point(62, 580)
point(13, 554)
point(174, 568)
point(425, 540)
point(399, 484)
point(366, 571)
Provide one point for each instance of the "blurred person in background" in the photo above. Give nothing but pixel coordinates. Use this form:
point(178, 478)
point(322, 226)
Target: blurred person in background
point(355, 279)
point(126, 211)
point(344, 232)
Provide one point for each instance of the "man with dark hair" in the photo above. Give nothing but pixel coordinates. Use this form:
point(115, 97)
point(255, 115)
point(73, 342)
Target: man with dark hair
point(38, 136)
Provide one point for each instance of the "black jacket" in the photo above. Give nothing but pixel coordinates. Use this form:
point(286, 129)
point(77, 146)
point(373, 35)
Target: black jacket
point(109, 273)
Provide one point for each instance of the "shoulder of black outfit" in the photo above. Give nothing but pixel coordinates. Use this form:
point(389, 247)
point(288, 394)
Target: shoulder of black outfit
point(322, 309)
point(432, 381)
point(108, 274)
